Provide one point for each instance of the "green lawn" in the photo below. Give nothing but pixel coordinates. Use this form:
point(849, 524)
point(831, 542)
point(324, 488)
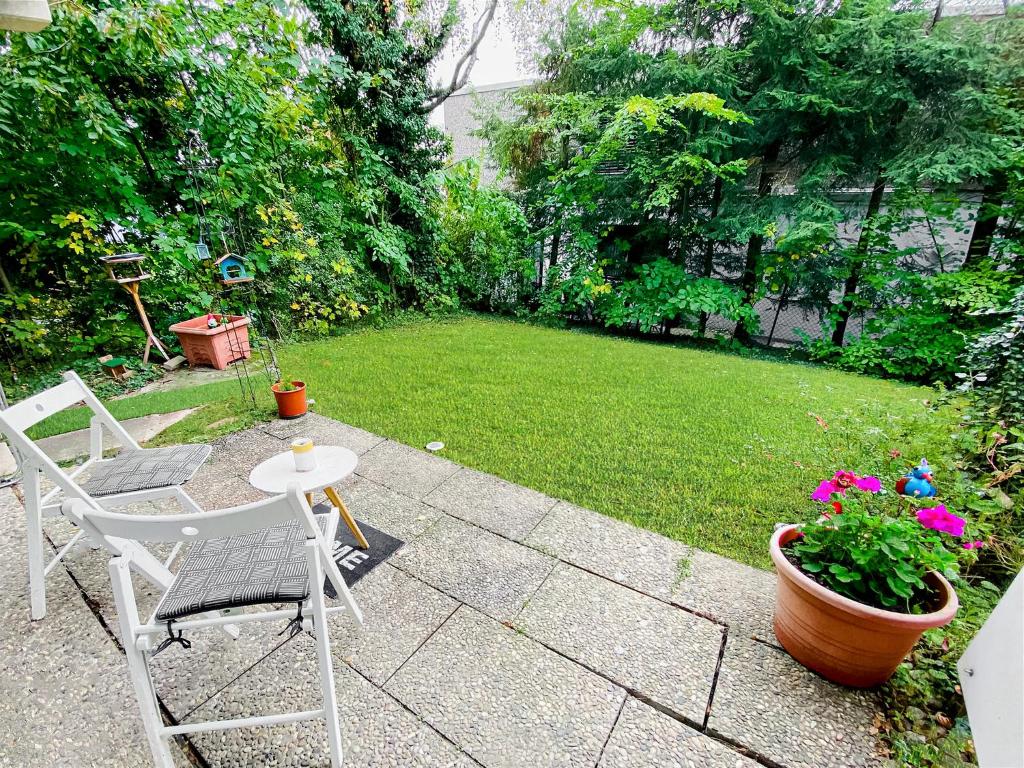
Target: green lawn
point(218, 393)
point(709, 448)
point(712, 449)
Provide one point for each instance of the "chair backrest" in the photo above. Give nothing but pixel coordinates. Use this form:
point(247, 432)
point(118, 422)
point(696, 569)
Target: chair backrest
point(216, 524)
point(17, 418)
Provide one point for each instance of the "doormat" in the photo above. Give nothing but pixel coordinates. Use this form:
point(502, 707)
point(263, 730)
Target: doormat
point(353, 562)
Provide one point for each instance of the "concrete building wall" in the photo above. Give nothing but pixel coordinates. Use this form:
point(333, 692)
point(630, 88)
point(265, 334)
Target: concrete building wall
point(463, 112)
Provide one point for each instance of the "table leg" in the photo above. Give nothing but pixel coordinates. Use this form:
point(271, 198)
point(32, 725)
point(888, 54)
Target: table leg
point(309, 500)
point(347, 517)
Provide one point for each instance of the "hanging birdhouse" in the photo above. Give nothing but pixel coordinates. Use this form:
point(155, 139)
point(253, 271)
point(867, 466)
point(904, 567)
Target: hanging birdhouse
point(24, 15)
point(124, 268)
point(232, 270)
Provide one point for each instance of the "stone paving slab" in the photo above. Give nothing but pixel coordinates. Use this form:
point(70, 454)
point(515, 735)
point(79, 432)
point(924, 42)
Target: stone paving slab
point(185, 678)
point(8, 464)
point(239, 452)
point(661, 652)
point(89, 568)
point(405, 469)
point(186, 376)
point(506, 700)
point(224, 491)
point(65, 697)
point(616, 550)
point(490, 573)
point(710, 585)
point(769, 703)
point(646, 738)
point(387, 510)
point(733, 593)
point(323, 431)
point(492, 503)
point(399, 614)
point(377, 732)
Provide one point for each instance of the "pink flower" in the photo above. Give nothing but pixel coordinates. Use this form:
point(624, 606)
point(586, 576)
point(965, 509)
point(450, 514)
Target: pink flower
point(843, 480)
point(940, 519)
point(973, 544)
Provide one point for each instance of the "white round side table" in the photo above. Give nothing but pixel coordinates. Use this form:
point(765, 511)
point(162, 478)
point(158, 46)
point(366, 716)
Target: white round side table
point(333, 464)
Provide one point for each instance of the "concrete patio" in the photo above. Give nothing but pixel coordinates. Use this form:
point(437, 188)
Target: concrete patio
point(512, 629)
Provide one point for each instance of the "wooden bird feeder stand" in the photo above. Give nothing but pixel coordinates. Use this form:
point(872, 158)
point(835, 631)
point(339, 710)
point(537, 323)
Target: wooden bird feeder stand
point(126, 270)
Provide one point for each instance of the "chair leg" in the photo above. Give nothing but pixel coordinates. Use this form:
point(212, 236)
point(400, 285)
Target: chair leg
point(138, 670)
point(36, 549)
point(323, 650)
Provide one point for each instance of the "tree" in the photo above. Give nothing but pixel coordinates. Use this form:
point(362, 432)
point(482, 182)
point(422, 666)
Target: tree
point(840, 96)
point(298, 141)
point(464, 64)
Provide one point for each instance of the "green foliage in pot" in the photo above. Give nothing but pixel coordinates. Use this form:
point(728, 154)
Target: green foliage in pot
point(876, 547)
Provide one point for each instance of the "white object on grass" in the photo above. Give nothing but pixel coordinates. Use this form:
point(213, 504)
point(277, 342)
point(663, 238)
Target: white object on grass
point(435, 446)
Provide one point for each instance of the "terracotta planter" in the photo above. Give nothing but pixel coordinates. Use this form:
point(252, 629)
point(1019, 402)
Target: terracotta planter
point(218, 346)
point(291, 404)
point(840, 639)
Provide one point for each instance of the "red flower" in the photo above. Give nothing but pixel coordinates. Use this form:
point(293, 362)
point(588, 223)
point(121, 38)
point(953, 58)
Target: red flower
point(841, 482)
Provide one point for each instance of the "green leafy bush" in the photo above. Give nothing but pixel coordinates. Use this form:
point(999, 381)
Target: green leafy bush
point(994, 362)
point(665, 295)
point(482, 258)
point(923, 324)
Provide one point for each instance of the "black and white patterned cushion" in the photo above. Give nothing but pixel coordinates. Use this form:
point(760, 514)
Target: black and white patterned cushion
point(146, 468)
point(265, 566)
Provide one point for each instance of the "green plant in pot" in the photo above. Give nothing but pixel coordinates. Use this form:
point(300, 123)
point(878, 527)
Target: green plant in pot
point(291, 398)
point(859, 584)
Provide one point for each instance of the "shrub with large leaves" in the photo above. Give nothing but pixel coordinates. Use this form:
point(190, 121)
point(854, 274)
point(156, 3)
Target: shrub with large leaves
point(664, 295)
point(994, 362)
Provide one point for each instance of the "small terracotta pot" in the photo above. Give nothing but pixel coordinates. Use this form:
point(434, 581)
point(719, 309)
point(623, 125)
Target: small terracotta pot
point(292, 404)
point(840, 639)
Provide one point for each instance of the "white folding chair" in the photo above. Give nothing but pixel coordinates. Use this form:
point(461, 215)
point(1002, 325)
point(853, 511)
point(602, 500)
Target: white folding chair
point(271, 551)
point(135, 475)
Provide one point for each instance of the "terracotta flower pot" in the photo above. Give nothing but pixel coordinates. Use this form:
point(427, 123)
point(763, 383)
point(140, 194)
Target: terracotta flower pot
point(290, 404)
point(840, 639)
